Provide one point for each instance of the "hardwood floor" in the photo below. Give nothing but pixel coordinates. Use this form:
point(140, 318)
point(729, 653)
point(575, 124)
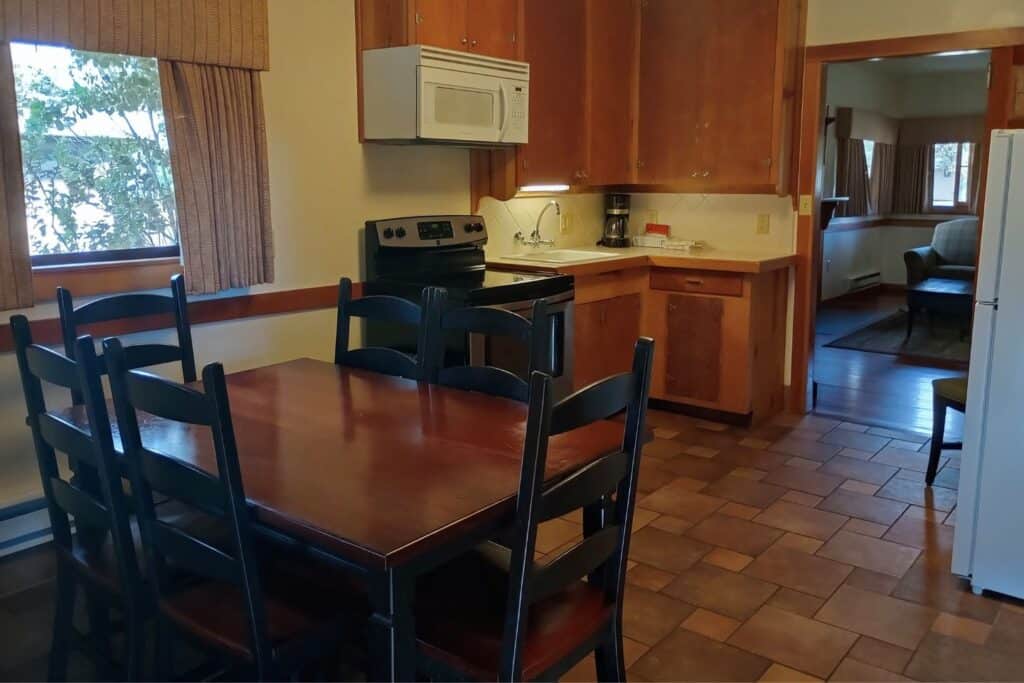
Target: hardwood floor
point(874, 388)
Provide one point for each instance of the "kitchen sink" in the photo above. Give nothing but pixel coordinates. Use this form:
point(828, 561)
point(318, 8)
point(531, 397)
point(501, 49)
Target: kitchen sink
point(562, 256)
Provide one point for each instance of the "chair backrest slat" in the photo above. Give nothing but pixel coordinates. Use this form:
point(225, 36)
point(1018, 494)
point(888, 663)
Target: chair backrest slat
point(493, 322)
point(219, 494)
point(93, 504)
point(573, 564)
point(583, 487)
point(391, 310)
point(599, 401)
point(124, 306)
point(82, 506)
point(67, 438)
point(52, 367)
point(605, 489)
point(186, 552)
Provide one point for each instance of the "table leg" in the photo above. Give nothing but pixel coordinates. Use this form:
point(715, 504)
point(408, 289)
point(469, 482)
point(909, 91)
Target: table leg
point(392, 627)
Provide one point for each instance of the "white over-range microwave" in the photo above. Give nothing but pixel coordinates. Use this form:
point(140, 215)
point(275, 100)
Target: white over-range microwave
point(429, 95)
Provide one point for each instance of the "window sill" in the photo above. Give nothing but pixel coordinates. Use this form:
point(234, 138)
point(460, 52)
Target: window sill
point(90, 279)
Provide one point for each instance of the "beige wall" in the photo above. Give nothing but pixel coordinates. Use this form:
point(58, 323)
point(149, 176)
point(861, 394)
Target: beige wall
point(324, 185)
point(847, 21)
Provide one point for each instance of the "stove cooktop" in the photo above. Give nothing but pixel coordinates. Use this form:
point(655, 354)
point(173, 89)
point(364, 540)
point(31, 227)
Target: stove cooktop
point(481, 287)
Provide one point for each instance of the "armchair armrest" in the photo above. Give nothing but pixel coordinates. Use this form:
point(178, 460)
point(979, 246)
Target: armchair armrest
point(920, 262)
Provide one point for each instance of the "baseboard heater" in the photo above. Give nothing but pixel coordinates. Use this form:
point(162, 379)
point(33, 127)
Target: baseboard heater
point(864, 280)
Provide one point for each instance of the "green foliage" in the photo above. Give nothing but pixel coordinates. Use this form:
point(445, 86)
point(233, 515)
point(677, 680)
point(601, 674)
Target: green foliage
point(89, 191)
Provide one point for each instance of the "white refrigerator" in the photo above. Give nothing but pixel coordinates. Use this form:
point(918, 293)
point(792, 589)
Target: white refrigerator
point(988, 545)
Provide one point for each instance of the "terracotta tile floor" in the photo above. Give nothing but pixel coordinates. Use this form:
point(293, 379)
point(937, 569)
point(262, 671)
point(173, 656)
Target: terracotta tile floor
point(788, 552)
point(800, 550)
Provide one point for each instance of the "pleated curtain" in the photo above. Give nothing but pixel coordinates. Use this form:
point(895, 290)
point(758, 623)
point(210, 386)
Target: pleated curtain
point(910, 192)
point(215, 126)
point(883, 172)
point(852, 177)
point(15, 262)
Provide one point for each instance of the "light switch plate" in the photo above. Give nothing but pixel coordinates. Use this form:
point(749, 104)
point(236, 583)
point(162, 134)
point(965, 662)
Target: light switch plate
point(806, 205)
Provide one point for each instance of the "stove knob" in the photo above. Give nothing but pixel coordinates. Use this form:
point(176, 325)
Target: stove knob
point(388, 233)
point(400, 233)
point(468, 227)
point(478, 227)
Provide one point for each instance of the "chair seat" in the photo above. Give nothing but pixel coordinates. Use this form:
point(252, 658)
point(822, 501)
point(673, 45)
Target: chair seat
point(954, 272)
point(461, 609)
point(953, 389)
point(296, 605)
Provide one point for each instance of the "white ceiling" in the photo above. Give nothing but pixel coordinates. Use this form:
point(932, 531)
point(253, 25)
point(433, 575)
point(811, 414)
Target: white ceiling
point(930, 64)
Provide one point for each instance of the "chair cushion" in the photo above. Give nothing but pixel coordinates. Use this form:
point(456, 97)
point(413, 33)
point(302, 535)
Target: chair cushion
point(956, 241)
point(460, 618)
point(951, 388)
point(954, 272)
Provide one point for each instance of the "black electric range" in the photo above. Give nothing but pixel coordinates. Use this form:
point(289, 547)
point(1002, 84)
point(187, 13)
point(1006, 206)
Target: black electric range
point(403, 255)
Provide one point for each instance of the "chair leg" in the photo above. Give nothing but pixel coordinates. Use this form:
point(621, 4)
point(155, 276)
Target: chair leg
point(63, 624)
point(938, 432)
point(135, 645)
point(609, 657)
point(99, 634)
point(164, 650)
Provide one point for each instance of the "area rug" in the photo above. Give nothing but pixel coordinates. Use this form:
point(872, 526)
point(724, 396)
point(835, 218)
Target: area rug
point(936, 339)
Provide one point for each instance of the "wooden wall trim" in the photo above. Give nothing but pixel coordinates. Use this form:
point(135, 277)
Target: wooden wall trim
point(91, 279)
point(47, 330)
point(915, 45)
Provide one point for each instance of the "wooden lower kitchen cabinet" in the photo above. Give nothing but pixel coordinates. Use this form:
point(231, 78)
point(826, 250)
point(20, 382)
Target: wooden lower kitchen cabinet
point(720, 340)
point(601, 327)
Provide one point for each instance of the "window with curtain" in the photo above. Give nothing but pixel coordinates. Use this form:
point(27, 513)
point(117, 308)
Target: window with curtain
point(869, 155)
point(95, 156)
point(951, 176)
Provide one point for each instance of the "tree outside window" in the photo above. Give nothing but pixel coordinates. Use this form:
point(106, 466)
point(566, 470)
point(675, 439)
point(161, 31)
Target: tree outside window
point(94, 154)
point(951, 175)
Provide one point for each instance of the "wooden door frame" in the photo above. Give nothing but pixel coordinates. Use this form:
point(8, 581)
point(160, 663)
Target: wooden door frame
point(809, 240)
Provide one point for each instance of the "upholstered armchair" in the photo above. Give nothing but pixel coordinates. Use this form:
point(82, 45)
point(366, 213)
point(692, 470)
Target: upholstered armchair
point(952, 254)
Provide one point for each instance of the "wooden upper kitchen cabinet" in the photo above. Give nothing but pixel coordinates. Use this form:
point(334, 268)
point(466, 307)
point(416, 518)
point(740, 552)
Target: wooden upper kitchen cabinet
point(554, 43)
point(488, 27)
point(717, 87)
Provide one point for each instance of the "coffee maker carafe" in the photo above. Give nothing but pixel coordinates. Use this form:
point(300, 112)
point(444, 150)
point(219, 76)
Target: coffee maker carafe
point(616, 221)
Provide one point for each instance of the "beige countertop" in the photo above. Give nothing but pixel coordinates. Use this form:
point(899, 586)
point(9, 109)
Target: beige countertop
point(709, 258)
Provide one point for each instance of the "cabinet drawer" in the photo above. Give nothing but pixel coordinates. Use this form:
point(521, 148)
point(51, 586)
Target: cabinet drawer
point(698, 281)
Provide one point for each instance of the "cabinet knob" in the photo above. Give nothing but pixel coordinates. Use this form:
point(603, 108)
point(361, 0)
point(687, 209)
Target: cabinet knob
point(706, 174)
point(695, 174)
point(472, 43)
point(464, 40)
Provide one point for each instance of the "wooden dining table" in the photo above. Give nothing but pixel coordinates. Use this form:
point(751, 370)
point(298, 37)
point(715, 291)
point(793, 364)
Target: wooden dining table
point(388, 476)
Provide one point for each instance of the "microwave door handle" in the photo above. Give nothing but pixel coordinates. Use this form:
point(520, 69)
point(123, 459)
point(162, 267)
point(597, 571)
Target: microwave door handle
point(503, 96)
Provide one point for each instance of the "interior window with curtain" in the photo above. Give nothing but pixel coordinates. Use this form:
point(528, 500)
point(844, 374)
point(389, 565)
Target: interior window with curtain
point(869, 154)
point(952, 176)
point(95, 157)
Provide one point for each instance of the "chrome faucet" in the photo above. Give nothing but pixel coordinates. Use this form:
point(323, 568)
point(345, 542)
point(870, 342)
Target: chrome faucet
point(534, 240)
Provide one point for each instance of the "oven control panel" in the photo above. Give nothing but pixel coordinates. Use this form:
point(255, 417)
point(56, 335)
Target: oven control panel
point(428, 231)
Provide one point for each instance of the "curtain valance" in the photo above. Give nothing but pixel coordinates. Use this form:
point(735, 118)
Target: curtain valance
point(219, 32)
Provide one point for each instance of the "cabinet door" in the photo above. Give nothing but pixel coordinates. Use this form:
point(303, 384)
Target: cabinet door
point(491, 26)
point(611, 79)
point(603, 337)
point(693, 355)
point(554, 43)
point(671, 33)
point(737, 91)
point(442, 23)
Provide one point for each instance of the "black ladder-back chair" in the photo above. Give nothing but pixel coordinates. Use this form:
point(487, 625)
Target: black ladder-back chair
point(99, 555)
point(493, 322)
point(390, 309)
point(121, 306)
point(543, 617)
point(225, 607)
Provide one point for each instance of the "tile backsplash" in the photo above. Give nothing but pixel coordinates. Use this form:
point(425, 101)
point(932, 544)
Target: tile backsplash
point(723, 221)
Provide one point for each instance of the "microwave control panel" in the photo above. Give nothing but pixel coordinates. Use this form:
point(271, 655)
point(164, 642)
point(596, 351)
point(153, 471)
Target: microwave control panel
point(518, 113)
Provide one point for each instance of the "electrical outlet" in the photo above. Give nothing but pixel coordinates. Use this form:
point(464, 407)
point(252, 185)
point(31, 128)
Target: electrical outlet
point(764, 224)
point(566, 222)
point(806, 205)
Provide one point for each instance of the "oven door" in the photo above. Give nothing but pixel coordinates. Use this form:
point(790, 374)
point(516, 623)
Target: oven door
point(456, 105)
point(513, 356)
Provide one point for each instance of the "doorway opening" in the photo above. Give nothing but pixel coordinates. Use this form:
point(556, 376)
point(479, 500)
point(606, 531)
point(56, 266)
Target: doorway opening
point(900, 166)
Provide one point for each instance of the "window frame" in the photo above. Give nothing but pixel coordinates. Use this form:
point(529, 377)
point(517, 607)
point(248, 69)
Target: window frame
point(957, 207)
point(73, 258)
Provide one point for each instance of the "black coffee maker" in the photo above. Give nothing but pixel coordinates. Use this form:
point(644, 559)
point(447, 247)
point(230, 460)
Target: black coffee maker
point(616, 221)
